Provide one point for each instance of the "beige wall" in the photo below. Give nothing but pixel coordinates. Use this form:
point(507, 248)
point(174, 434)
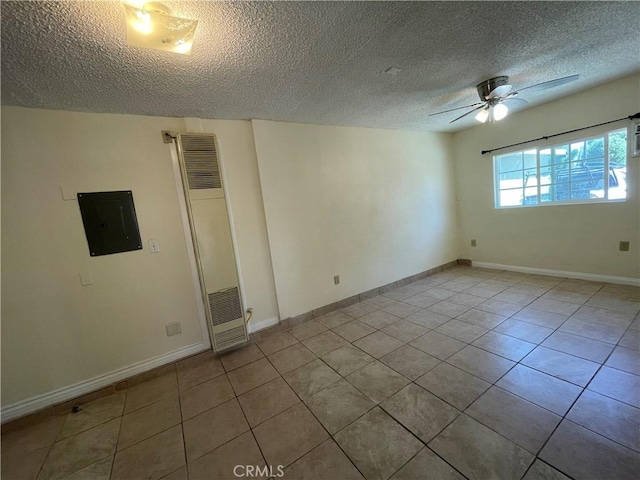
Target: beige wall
point(56, 332)
point(575, 238)
point(244, 194)
point(370, 205)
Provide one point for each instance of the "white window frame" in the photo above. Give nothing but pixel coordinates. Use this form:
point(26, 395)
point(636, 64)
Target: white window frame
point(604, 134)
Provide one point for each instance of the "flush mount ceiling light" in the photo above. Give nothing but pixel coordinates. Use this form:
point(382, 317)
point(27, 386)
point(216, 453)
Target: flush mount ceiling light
point(151, 25)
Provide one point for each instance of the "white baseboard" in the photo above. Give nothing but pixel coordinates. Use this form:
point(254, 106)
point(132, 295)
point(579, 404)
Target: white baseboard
point(595, 277)
point(255, 326)
point(38, 402)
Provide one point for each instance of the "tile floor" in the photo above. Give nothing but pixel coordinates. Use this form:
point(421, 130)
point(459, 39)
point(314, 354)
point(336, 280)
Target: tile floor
point(470, 373)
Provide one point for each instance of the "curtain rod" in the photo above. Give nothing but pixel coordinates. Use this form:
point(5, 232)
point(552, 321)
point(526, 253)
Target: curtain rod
point(630, 117)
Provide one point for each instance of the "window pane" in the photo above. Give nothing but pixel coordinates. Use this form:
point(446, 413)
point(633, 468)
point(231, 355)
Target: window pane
point(592, 169)
point(530, 159)
point(576, 167)
point(545, 157)
point(560, 173)
point(617, 183)
point(560, 154)
point(560, 192)
point(545, 193)
point(510, 180)
point(595, 166)
point(581, 190)
point(587, 179)
point(595, 148)
point(618, 149)
point(510, 162)
point(510, 198)
point(618, 165)
point(577, 150)
point(576, 171)
point(530, 187)
point(545, 175)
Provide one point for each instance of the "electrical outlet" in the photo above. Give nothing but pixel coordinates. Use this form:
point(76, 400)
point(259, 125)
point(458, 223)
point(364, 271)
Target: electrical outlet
point(624, 246)
point(336, 279)
point(473, 242)
point(173, 328)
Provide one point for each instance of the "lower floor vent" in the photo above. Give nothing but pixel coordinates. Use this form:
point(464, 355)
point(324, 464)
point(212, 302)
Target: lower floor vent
point(229, 338)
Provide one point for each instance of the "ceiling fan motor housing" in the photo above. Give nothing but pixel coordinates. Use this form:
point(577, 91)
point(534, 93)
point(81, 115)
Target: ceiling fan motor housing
point(487, 86)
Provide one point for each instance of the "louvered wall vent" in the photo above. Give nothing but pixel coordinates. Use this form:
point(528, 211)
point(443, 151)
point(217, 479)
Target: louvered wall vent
point(229, 338)
point(201, 161)
point(225, 305)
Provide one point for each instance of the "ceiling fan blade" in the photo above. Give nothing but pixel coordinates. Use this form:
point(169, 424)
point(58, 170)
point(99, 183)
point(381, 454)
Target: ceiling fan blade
point(468, 113)
point(454, 109)
point(514, 102)
point(499, 91)
point(550, 84)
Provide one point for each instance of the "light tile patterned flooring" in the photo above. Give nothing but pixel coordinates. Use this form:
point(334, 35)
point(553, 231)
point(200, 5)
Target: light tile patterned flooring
point(470, 373)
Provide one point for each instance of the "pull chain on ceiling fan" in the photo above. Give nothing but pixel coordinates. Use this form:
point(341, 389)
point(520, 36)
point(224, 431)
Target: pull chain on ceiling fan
point(497, 97)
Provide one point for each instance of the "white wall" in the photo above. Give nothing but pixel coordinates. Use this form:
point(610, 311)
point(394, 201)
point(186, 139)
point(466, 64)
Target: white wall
point(370, 205)
point(55, 331)
point(575, 238)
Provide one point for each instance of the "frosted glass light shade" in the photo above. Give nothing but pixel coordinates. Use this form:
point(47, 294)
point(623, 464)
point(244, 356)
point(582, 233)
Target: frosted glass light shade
point(482, 115)
point(500, 111)
point(157, 30)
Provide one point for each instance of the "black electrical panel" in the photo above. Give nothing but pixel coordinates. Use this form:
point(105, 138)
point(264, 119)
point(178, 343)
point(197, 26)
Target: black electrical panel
point(110, 222)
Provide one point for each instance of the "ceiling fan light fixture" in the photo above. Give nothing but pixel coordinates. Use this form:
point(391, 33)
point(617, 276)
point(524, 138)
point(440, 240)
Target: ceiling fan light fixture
point(482, 115)
point(500, 111)
point(151, 26)
point(496, 92)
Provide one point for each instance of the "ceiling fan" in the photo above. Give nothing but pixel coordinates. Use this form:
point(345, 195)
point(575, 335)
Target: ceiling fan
point(497, 96)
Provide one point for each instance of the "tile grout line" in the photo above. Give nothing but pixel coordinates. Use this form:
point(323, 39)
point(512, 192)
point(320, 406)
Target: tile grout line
point(538, 345)
point(426, 444)
point(379, 405)
point(253, 435)
point(410, 382)
point(317, 419)
point(79, 433)
point(48, 452)
point(461, 412)
point(536, 455)
point(563, 417)
point(184, 440)
point(467, 343)
point(113, 462)
point(403, 343)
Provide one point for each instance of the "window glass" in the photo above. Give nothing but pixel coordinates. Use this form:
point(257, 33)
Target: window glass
point(587, 170)
point(617, 165)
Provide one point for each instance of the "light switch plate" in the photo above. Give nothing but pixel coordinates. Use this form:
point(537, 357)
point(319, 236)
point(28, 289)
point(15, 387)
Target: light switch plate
point(68, 193)
point(86, 279)
point(154, 246)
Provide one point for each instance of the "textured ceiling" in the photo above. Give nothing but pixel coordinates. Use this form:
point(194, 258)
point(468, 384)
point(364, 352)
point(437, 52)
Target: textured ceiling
point(313, 62)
